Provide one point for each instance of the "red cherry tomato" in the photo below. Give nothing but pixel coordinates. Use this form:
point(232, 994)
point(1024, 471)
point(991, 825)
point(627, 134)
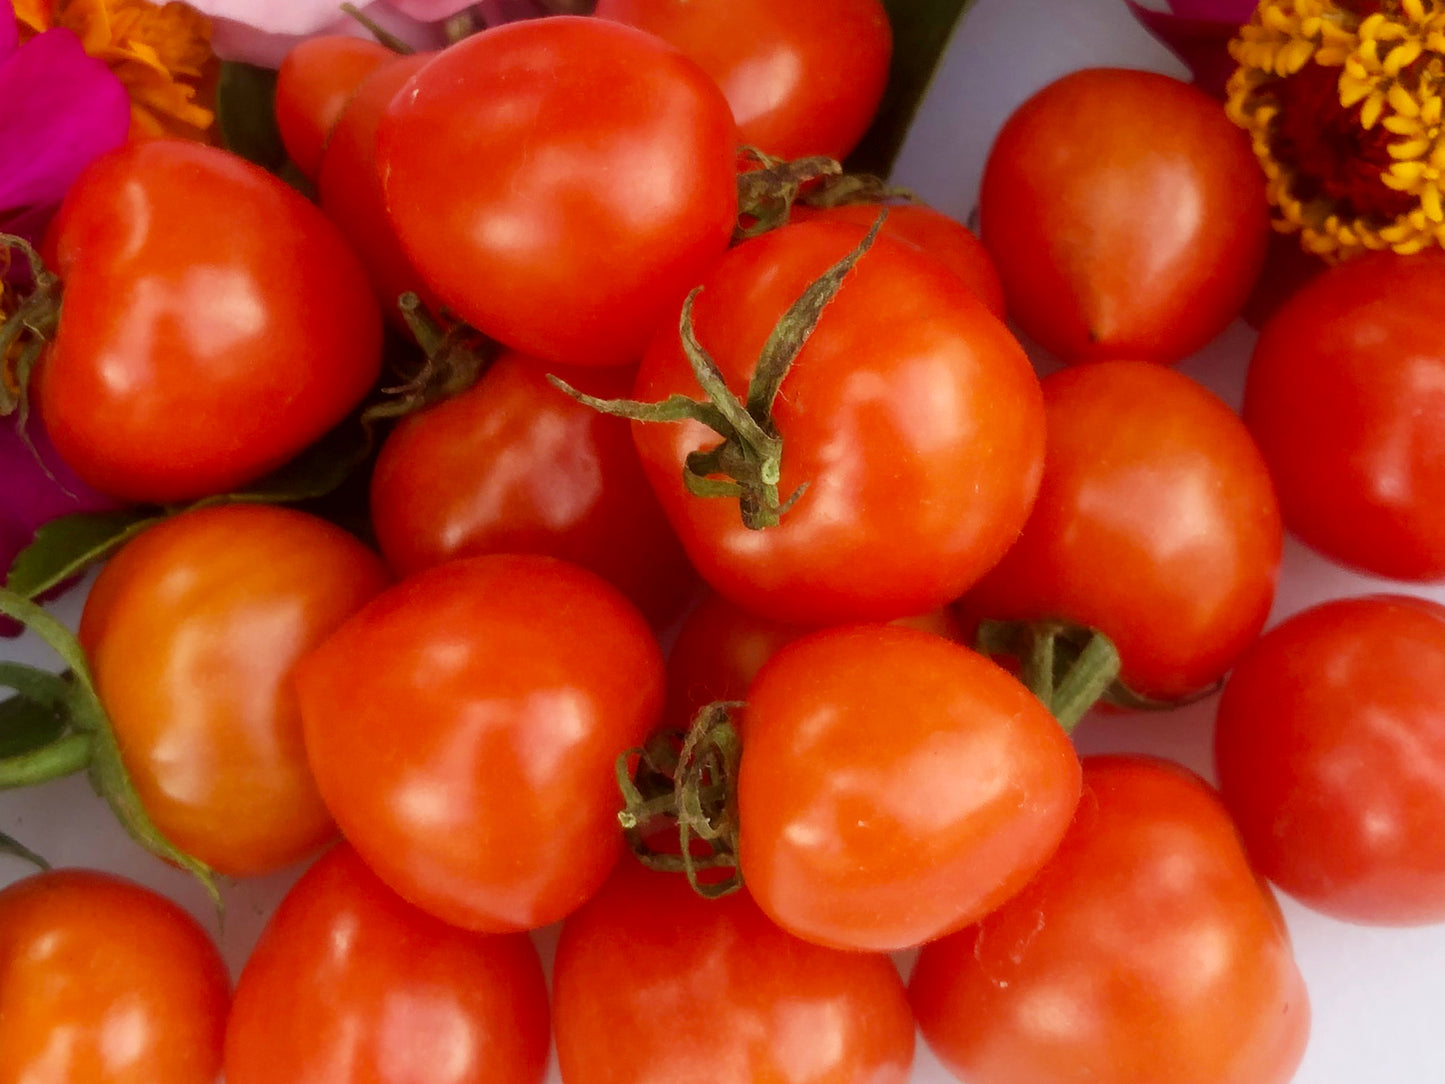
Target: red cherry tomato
point(1126, 214)
point(1346, 396)
point(561, 183)
point(513, 465)
point(349, 184)
point(1146, 950)
point(1330, 748)
point(894, 787)
point(315, 80)
point(802, 78)
point(105, 982)
point(1156, 524)
point(351, 983)
point(949, 241)
point(653, 982)
point(464, 727)
point(192, 631)
point(223, 330)
point(912, 415)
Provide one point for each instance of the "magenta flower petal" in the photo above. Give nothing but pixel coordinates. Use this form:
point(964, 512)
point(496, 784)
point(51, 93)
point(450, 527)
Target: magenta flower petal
point(1198, 32)
point(9, 29)
point(62, 108)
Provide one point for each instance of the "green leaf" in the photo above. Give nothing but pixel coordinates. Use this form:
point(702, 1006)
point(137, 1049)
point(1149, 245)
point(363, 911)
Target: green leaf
point(246, 114)
point(67, 546)
point(316, 472)
point(921, 31)
point(35, 717)
point(11, 845)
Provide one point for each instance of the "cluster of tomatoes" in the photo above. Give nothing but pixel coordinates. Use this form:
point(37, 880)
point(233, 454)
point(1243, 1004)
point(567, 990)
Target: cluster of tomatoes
point(830, 425)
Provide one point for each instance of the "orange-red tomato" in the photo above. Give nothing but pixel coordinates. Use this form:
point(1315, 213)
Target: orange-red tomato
point(312, 87)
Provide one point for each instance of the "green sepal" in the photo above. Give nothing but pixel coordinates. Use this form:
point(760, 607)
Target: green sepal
point(246, 114)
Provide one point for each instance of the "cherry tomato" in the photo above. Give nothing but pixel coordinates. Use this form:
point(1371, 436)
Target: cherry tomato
point(349, 184)
point(464, 726)
point(945, 239)
point(802, 78)
point(350, 984)
point(514, 465)
point(313, 84)
point(1156, 524)
point(561, 183)
point(1126, 214)
point(1330, 748)
point(1146, 950)
point(911, 413)
point(894, 787)
point(105, 982)
point(192, 632)
point(223, 330)
point(1346, 399)
point(653, 982)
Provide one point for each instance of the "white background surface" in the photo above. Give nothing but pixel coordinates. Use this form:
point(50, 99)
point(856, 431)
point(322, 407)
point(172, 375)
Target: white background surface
point(1377, 995)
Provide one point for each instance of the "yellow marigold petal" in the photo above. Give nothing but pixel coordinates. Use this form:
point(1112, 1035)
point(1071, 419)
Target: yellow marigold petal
point(1293, 57)
point(1396, 232)
point(1413, 127)
point(1371, 111)
point(1402, 56)
point(1431, 205)
point(1430, 109)
point(1413, 148)
point(1437, 157)
point(1333, 56)
point(1353, 91)
point(1413, 10)
point(1404, 176)
point(1401, 101)
point(1412, 246)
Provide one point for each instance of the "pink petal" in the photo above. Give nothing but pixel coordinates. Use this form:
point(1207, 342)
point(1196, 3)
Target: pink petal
point(291, 17)
point(9, 29)
point(61, 110)
point(232, 40)
point(1198, 32)
point(430, 11)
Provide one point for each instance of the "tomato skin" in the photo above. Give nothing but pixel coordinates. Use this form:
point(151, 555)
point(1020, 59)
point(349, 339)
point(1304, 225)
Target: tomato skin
point(312, 87)
point(1145, 950)
point(1139, 233)
point(1344, 396)
point(1150, 472)
point(350, 984)
point(1330, 744)
point(894, 787)
point(802, 78)
point(192, 632)
point(654, 983)
point(911, 413)
point(561, 183)
point(87, 959)
point(514, 465)
point(225, 329)
point(521, 679)
point(945, 239)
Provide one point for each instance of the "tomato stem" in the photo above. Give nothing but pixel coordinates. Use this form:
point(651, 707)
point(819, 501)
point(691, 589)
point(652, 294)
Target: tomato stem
point(11, 845)
point(376, 30)
point(1068, 667)
point(25, 332)
point(60, 758)
point(766, 195)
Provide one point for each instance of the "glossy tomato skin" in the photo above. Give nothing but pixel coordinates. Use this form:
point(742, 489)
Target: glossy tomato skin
point(894, 787)
point(315, 80)
point(1146, 950)
point(106, 982)
point(561, 183)
point(192, 632)
point(1137, 231)
point(515, 465)
point(225, 329)
point(1156, 523)
point(802, 78)
point(464, 726)
point(912, 415)
point(1330, 746)
point(654, 983)
point(945, 239)
point(1345, 398)
point(350, 984)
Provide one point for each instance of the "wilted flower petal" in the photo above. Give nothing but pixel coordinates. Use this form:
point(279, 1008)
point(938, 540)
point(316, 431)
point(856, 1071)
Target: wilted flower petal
point(245, 40)
point(1198, 32)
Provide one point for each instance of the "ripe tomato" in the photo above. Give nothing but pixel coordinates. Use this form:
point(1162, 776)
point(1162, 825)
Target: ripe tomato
point(350, 984)
point(514, 465)
point(561, 183)
point(192, 632)
point(1146, 950)
point(316, 78)
point(1126, 214)
point(654, 983)
point(802, 78)
point(1330, 748)
point(105, 982)
point(1156, 524)
point(224, 329)
point(1346, 396)
point(911, 413)
point(945, 239)
point(349, 185)
point(894, 787)
point(464, 726)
